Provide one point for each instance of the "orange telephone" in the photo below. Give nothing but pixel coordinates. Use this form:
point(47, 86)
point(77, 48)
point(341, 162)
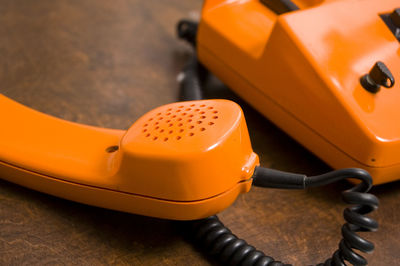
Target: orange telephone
point(191, 159)
point(315, 68)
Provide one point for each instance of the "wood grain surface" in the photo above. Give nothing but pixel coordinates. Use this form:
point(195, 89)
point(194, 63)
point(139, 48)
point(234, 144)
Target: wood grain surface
point(106, 63)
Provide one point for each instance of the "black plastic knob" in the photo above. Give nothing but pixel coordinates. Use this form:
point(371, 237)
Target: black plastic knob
point(378, 76)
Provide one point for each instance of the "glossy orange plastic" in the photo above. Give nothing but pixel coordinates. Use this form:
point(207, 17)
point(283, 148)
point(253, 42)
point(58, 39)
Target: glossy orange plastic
point(302, 70)
point(186, 160)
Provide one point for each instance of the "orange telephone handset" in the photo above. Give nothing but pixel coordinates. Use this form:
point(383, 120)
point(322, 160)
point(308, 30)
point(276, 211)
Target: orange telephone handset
point(183, 161)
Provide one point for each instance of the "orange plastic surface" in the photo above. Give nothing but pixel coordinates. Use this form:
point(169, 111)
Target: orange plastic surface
point(302, 70)
point(182, 161)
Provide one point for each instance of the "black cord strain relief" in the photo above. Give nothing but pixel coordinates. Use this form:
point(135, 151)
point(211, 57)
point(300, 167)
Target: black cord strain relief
point(265, 177)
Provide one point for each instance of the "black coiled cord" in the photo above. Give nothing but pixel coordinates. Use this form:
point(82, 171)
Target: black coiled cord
point(355, 216)
point(187, 30)
point(227, 248)
point(221, 243)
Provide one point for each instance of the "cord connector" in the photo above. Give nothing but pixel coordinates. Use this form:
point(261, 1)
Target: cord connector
point(265, 177)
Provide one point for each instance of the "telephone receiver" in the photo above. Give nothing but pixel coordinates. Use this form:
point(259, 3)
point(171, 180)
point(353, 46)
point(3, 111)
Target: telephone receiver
point(183, 161)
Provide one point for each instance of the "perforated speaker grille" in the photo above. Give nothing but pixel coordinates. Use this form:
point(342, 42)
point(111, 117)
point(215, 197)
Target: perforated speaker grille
point(181, 121)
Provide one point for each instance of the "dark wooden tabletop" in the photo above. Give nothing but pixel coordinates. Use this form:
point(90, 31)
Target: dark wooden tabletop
point(106, 63)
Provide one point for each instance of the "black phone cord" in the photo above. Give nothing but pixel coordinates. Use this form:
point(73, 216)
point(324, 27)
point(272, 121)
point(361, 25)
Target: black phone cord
point(220, 242)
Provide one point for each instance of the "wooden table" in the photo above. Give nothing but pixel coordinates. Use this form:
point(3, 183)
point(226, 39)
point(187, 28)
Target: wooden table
point(106, 63)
